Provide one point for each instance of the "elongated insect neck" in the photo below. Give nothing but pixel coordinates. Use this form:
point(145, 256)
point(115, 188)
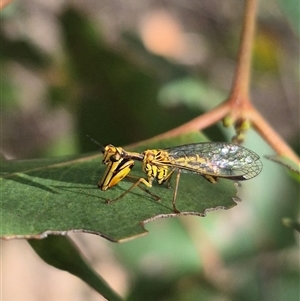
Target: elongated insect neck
point(97, 143)
point(134, 156)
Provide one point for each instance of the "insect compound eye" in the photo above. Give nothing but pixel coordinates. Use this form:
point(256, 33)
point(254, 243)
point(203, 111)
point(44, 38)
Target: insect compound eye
point(114, 158)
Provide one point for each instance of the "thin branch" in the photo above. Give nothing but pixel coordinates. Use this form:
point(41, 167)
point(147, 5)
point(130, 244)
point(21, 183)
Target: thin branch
point(238, 106)
point(241, 81)
point(196, 124)
point(272, 137)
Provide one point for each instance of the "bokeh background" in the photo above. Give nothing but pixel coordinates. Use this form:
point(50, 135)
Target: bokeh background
point(124, 71)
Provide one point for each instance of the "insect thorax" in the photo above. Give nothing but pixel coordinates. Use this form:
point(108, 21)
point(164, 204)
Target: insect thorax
point(155, 165)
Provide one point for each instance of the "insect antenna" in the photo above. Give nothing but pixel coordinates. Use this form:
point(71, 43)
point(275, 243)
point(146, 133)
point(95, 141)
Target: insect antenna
point(96, 142)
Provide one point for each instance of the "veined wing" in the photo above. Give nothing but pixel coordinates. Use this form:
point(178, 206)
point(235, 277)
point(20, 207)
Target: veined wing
point(218, 159)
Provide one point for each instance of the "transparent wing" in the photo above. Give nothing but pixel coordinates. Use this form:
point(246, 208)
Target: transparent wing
point(219, 159)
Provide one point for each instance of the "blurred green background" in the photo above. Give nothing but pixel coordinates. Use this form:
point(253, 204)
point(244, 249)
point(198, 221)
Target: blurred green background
point(126, 71)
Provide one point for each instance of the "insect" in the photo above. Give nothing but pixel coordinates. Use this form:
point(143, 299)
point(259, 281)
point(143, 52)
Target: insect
point(211, 160)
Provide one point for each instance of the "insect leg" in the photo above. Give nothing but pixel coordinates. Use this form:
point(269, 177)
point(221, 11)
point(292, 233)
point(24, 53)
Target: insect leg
point(210, 178)
point(135, 184)
point(175, 191)
point(145, 182)
point(115, 172)
point(168, 178)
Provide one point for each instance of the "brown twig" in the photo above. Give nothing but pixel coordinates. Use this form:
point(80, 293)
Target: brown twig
point(197, 123)
point(239, 94)
point(272, 138)
point(238, 107)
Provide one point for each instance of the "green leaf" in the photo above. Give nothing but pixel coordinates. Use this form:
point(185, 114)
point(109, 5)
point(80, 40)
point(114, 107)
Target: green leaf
point(23, 52)
point(291, 10)
point(193, 92)
point(55, 196)
point(61, 253)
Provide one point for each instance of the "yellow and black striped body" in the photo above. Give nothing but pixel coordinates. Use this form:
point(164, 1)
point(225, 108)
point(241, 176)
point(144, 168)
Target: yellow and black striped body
point(212, 160)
